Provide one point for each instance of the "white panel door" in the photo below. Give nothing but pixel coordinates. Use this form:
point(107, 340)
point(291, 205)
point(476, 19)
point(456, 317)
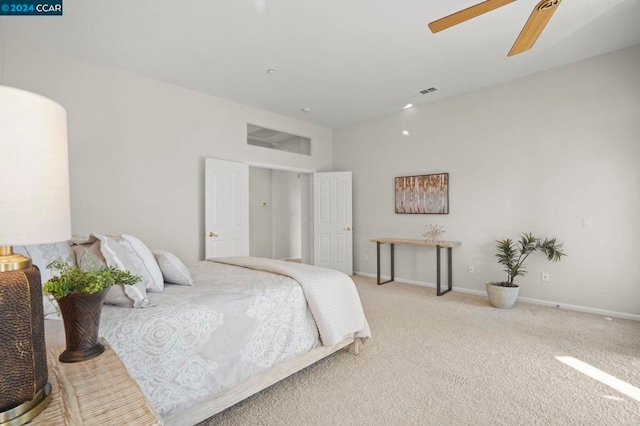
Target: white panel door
point(226, 208)
point(333, 236)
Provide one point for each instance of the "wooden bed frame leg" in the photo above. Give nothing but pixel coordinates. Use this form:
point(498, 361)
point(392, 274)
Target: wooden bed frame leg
point(355, 347)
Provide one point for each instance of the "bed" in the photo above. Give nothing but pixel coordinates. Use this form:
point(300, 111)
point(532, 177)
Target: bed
point(245, 324)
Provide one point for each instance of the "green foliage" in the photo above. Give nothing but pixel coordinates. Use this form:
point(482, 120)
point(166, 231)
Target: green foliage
point(512, 254)
point(72, 279)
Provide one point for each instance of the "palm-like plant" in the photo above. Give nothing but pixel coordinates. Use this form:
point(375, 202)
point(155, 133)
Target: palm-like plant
point(512, 254)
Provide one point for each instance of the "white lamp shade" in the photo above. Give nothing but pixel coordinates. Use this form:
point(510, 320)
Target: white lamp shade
point(34, 170)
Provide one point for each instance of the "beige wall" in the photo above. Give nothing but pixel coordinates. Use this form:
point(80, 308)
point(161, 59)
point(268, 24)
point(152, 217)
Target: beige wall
point(260, 217)
point(275, 230)
point(536, 154)
point(2, 49)
point(137, 146)
point(287, 215)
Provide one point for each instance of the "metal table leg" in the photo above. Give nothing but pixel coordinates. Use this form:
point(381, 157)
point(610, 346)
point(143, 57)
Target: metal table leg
point(378, 263)
point(449, 275)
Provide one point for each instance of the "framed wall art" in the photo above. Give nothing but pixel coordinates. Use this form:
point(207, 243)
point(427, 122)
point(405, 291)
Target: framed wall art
point(423, 194)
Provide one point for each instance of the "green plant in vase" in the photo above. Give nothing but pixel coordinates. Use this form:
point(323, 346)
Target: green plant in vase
point(80, 294)
point(72, 279)
point(511, 255)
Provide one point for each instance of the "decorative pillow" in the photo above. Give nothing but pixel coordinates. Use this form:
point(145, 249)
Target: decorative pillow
point(157, 282)
point(81, 239)
point(173, 270)
point(89, 256)
point(41, 255)
point(118, 252)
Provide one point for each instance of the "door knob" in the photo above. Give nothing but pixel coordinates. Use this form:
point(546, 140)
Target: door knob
point(212, 235)
point(347, 228)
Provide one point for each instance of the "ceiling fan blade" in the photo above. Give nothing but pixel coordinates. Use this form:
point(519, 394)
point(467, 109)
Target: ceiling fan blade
point(466, 14)
point(539, 18)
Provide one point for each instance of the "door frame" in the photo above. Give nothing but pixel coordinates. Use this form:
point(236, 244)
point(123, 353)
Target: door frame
point(307, 208)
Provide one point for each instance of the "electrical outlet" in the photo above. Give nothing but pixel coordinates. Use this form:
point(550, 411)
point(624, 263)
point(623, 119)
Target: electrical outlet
point(545, 277)
point(471, 269)
point(586, 222)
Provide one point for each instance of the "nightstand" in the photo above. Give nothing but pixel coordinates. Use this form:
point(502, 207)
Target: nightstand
point(94, 392)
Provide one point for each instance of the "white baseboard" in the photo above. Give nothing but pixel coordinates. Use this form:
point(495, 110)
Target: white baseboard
point(529, 300)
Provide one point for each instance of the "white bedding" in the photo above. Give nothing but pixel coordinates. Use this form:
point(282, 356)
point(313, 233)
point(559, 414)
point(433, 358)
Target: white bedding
point(331, 295)
point(195, 341)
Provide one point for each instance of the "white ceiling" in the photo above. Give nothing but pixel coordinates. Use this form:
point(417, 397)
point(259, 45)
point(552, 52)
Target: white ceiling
point(349, 61)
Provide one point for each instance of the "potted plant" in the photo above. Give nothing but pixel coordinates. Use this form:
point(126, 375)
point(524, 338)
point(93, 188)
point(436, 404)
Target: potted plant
point(80, 294)
point(512, 255)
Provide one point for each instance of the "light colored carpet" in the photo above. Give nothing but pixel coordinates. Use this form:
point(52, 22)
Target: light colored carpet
point(454, 360)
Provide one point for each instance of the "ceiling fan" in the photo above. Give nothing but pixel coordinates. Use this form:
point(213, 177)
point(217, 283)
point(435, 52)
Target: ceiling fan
point(530, 32)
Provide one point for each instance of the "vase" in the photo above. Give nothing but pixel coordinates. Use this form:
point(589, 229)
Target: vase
point(502, 297)
point(81, 317)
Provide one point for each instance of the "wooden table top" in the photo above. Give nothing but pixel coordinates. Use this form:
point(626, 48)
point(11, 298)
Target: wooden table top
point(414, 242)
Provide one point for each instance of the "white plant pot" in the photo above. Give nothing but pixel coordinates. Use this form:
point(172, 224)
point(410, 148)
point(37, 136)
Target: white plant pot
point(502, 297)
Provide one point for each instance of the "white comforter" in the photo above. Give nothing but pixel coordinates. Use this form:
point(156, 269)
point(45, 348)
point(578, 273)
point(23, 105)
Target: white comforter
point(331, 295)
point(234, 323)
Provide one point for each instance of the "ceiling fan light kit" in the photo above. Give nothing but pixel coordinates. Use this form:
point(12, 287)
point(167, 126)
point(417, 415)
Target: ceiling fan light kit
point(532, 29)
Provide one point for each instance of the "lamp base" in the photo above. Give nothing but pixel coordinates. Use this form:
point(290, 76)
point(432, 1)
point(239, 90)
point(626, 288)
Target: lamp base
point(27, 411)
point(24, 387)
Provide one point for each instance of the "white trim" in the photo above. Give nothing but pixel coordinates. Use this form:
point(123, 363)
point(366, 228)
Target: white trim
point(529, 300)
point(278, 167)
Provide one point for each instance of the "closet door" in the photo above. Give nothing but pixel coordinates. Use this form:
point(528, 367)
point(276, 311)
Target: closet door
point(226, 208)
point(333, 236)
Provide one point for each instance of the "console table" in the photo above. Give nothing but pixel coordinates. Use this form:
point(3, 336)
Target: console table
point(437, 244)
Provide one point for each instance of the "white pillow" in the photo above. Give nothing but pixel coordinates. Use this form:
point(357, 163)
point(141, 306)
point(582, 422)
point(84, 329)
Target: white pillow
point(41, 255)
point(118, 252)
point(157, 282)
point(173, 270)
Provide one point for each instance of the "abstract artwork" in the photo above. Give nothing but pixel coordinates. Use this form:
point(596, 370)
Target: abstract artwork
point(424, 194)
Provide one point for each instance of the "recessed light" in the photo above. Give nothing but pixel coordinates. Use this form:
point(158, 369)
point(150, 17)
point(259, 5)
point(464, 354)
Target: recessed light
point(407, 106)
point(306, 110)
point(271, 71)
point(405, 132)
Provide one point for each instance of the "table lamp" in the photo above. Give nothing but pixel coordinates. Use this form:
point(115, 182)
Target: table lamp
point(34, 209)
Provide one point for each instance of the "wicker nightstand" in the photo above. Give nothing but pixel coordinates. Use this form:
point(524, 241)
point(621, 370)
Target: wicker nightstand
point(95, 392)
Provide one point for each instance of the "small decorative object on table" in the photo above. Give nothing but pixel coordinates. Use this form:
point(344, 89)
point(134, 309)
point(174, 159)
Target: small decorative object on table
point(434, 232)
point(80, 295)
